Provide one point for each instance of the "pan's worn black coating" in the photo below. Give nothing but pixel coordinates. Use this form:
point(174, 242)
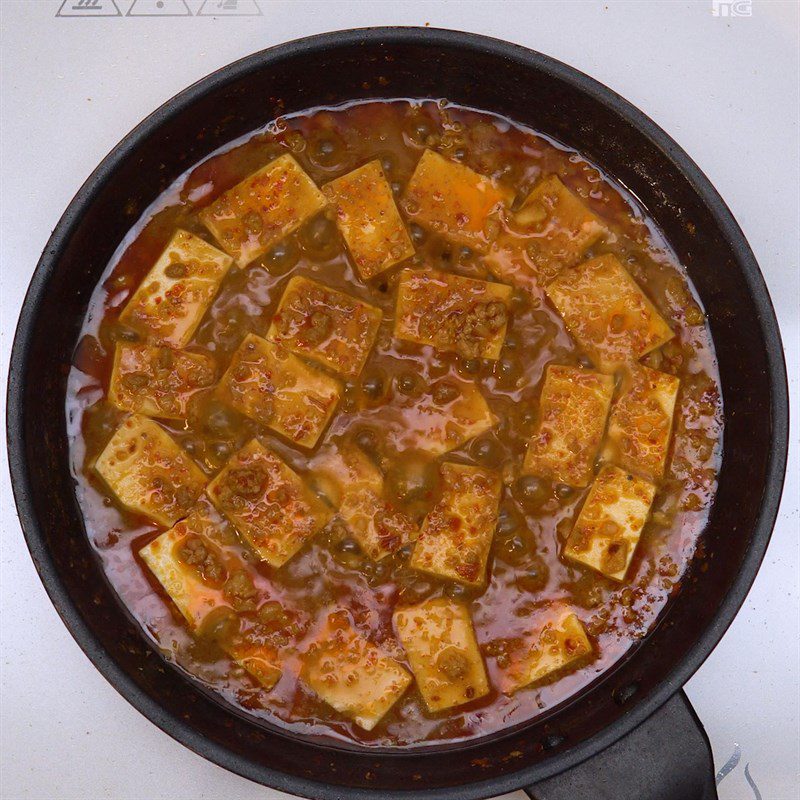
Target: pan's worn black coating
point(548, 96)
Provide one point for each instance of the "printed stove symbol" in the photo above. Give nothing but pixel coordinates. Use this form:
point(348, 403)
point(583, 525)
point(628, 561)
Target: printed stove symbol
point(159, 8)
point(229, 8)
point(730, 766)
point(89, 8)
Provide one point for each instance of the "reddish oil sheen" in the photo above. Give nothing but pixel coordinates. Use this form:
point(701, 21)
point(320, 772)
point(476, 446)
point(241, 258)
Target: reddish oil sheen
point(316, 581)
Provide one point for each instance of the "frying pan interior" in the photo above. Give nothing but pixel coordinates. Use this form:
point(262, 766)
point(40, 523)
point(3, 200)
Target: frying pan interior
point(533, 90)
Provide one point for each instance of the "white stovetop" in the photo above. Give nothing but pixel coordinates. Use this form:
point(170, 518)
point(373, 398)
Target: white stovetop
point(725, 87)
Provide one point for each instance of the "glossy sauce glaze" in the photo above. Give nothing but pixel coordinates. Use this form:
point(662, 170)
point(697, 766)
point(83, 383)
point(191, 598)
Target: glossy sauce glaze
point(379, 412)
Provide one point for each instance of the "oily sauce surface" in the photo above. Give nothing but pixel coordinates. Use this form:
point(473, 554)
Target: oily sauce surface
point(378, 410)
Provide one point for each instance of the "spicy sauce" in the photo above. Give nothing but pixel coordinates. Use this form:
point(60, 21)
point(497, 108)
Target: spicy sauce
point(377, 412)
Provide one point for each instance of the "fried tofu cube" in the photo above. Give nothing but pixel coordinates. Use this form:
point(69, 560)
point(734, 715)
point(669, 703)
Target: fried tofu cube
point(329, 327)
point(176, 293)
point(253, 216)
point(257, 660)
point(560, 643)
point(352, 675)
point(452, 200)
point(158, 381)
point(368, 220)
point(451, 413)
point(267, 383)
point(560, 226)
point(149, 472)
point(268, 503)
point(573, 409)
point(191, 566)
point(451, 313)
point(640, 426)
point(457, 533)
point(342, 466)
point(443, 653)
point(355, 486)
point(607, 313)
point(610, 523)
point(193, 569)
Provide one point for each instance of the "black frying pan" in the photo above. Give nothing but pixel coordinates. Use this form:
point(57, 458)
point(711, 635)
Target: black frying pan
point(634, 725)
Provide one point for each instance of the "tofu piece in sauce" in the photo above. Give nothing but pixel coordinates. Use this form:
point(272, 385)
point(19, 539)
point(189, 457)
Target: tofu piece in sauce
point(573, 409)
point(257, 660)
point(445, 417)
point(268, 503)
point(457, 534)
point(330, 327)
point(451, 313)
point(195, 570)
point(561, 643)
point(640, 427)
point(451, 199)
point(274, 387)
point(607, 313)
point(149, 472)
point(355, 486)
point(352, 675)
point(253, 216)
point(191, 567)
point(175, 295)
point(368, 220)
point(158, 381)
point(443, 653)
point(560, 227)
point(610, 523)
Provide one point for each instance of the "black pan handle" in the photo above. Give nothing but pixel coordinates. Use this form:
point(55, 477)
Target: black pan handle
point(667, 757)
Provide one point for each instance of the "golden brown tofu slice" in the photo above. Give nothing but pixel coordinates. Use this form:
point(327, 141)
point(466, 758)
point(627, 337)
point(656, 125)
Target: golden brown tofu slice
point(572, 419)
point(607, 313)
point(176, 293)
point(451, 313)
point(457, 533)
point(448, 415)
point(265, 207)
point(352, 675)
point(149, 472)
point(158, 381)
point(610, 523)
point(443, 653)
point(329, 327)
point(258, 660)
point(561, 643)
point(194, 571)
point(640, 426)
point(268, 503)
point(267, 383)
point(560, 226)
point(355, 486)
point(452, 200)
point(342, 466)
point(191, 567)
point(368, 220)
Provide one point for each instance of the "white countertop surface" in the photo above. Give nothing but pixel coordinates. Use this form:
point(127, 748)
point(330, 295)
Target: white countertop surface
point(726, 88)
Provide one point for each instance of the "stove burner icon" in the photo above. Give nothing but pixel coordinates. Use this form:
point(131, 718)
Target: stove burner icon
point(89, 8)
point(159, 8)
point(229, 8)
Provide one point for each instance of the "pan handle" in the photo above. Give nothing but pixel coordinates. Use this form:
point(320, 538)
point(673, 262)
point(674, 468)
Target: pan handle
point(667, 757)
